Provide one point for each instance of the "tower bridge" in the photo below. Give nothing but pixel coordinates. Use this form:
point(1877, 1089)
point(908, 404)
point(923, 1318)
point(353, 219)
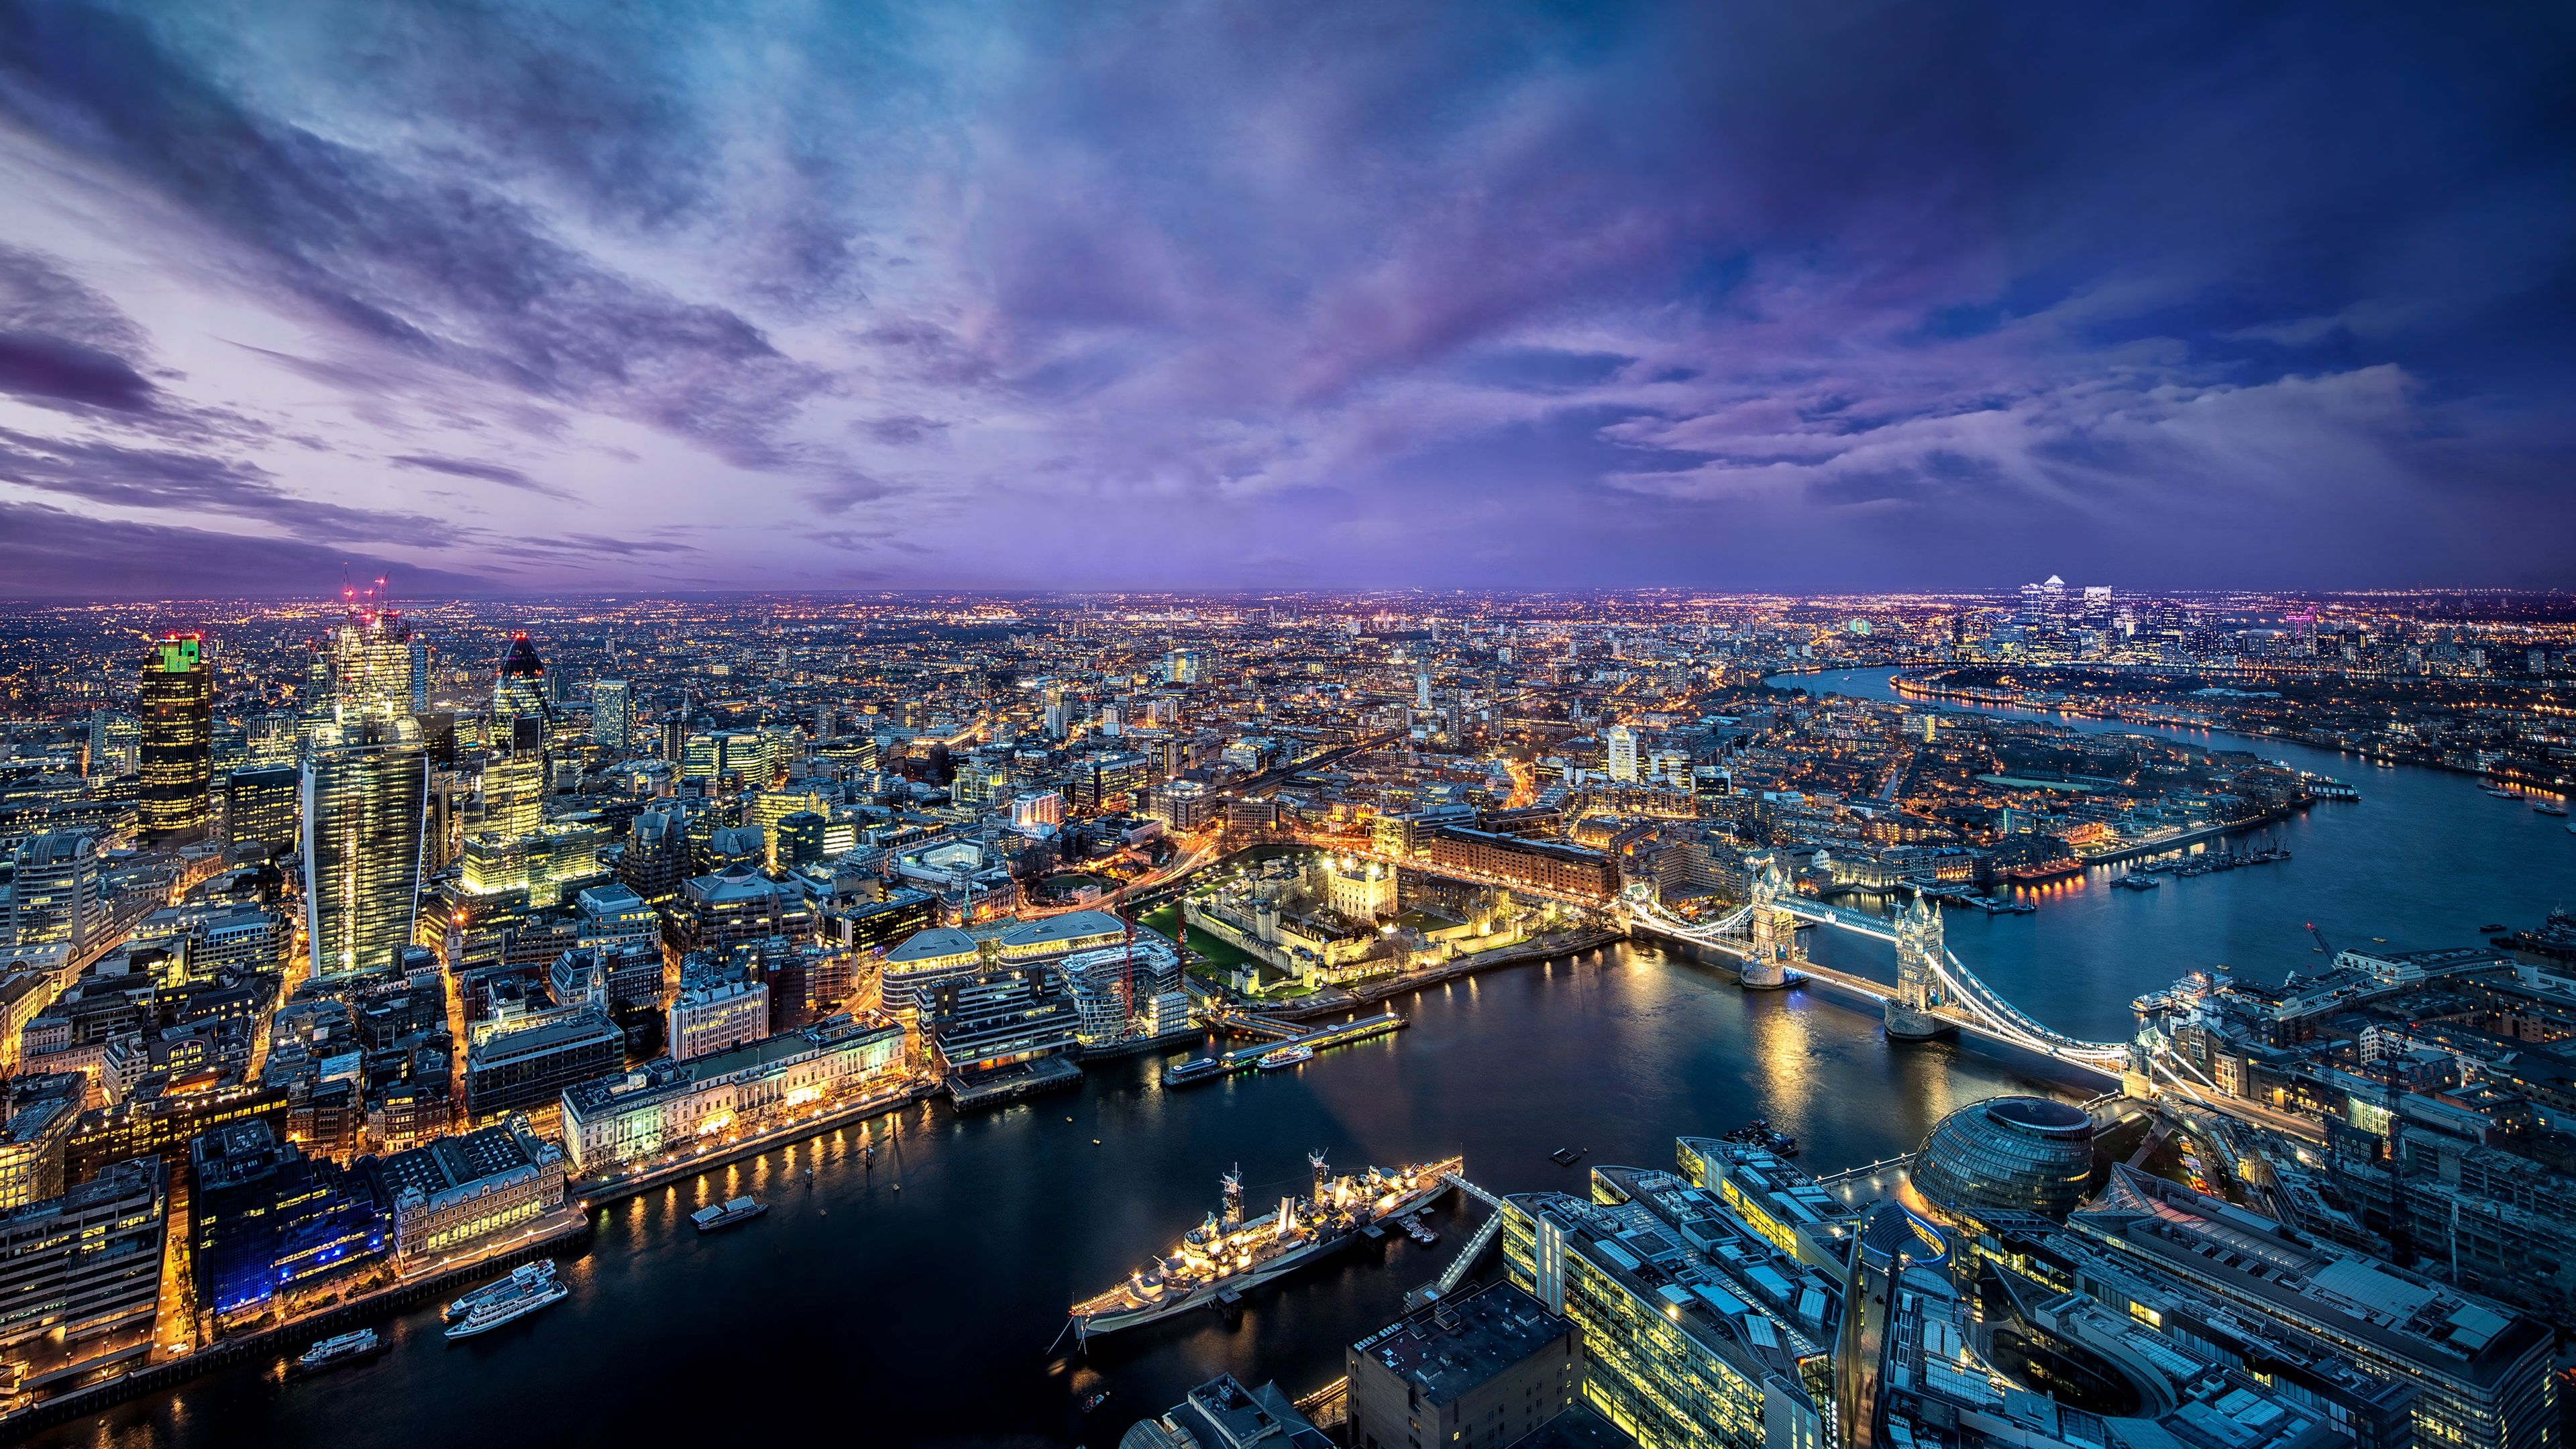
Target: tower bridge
point(1935, 993)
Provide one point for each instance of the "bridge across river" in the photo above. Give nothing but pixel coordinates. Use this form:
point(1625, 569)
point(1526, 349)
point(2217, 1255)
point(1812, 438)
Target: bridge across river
point(1957, 1000)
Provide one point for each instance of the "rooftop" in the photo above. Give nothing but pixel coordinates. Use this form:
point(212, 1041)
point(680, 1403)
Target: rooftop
point(1450, 1348)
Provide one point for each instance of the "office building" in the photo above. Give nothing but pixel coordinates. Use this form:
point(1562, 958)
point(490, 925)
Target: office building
point(514, 792)
point(32, 1143)
point(2481, 1372)
point(712, 1014)
point(1478, 1371)
point(56, 895)
point(611, 1121)
point(519, 1070)
point(798, 839)
point(176, 741)
point(2007, 1154)
point(77, 1268)
point(115, 745)
point(1679, 1350)
point(615, 917)
point(518, 684)
point(260, 807)
point(1182, 804)
point(264, 1217)
point(1620, 745)
point(459, 1190)
point(365, 796)
point(612, 713)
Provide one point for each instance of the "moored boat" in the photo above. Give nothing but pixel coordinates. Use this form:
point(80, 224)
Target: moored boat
point(1291, 1055)
point(1219, 1260)
point(517, 1300)
point(526, 1275)
point(728, 1213)
point(346, 1348)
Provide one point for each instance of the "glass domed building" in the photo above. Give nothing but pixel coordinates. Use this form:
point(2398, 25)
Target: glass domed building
point(2007, 1154)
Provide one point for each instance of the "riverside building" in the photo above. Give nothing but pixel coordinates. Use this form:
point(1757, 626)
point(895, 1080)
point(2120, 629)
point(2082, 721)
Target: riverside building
point(458, 1190)
point(610, 1122)
point(1674, 1353)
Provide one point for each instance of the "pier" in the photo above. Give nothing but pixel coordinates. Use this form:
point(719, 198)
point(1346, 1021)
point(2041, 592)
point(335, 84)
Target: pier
point(1238, 1059)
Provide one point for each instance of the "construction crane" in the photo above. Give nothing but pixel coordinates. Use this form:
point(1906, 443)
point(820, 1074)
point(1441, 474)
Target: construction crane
point(2321, 939)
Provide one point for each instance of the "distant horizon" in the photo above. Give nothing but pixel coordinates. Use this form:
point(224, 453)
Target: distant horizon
point(2005, 593)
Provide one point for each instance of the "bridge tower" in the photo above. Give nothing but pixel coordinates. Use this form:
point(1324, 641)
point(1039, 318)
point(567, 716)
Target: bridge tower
point(1773, 945)
point(1919, 951)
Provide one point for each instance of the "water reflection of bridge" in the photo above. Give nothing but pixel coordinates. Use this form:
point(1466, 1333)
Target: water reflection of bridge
point(1935, 991)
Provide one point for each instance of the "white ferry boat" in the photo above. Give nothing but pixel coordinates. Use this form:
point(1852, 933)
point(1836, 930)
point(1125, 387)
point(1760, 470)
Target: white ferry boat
point(1291, 1055)
point(517, 1300)
point(526, 1275)
point(332, 1352)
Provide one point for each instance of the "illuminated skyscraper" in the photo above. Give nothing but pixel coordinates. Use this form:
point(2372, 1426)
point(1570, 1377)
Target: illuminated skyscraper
point(419, 652)
point(612, 712)
point(260, 806)
point(1622, 743)
point(177, 740)
point(519, 682)
point(514, 795)
point(366, 786)
point(364, 796)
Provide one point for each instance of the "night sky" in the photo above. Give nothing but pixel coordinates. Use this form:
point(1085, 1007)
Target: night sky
point(529, 297)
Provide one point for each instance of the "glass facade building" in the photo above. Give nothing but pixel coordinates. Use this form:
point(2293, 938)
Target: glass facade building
point(2007, 1154)
point(366, 787)
point(176, 750)
point(1672, 1355)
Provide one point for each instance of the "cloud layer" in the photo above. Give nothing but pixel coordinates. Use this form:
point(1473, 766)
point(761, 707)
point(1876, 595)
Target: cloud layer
point(778, 295)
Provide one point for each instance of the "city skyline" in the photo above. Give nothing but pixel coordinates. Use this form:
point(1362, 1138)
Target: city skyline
point(1843, 298)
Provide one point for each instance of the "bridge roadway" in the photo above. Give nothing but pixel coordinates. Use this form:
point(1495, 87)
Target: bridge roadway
point(1972, 1007)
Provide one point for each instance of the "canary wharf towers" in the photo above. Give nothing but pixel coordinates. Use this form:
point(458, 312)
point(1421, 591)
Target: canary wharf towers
point(365, 786)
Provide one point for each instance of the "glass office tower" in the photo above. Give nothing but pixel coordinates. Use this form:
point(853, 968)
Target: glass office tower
point(176, 749)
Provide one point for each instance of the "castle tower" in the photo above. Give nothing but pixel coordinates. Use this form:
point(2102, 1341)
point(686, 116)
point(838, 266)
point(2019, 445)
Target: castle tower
point(1919, 951)
point(1774, 948)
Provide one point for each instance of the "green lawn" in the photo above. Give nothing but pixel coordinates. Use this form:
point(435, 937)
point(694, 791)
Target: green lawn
point(1165, 921)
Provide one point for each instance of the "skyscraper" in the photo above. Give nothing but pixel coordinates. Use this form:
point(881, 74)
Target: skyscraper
point(513, 794)
point(364, 796)
point(612, 712)
point(177, 740)
point(418, 649)
point(366, 787)
point(260, 806)
point(518, 682)
point(1622, 743)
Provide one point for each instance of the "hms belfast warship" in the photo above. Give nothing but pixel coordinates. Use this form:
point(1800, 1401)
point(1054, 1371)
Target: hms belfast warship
point(1228, 1254)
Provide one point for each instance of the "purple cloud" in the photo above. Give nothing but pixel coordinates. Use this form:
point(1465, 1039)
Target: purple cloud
point(1396, 293)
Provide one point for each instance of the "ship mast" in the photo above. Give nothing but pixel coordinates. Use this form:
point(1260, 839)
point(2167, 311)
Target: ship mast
point(1234, 1198)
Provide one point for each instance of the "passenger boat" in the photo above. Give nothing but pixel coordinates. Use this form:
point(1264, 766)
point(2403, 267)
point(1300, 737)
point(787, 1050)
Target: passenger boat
point(2548, 808)
point(1292, 1055)
point(347, 1348)
point(517, 1300)
point(524, 1276)
point(1218, 1260)
point(730, 1212)
point(2136, 882)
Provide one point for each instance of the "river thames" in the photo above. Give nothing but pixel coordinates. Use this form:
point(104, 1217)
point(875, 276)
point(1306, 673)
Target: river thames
point(917, 1302)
